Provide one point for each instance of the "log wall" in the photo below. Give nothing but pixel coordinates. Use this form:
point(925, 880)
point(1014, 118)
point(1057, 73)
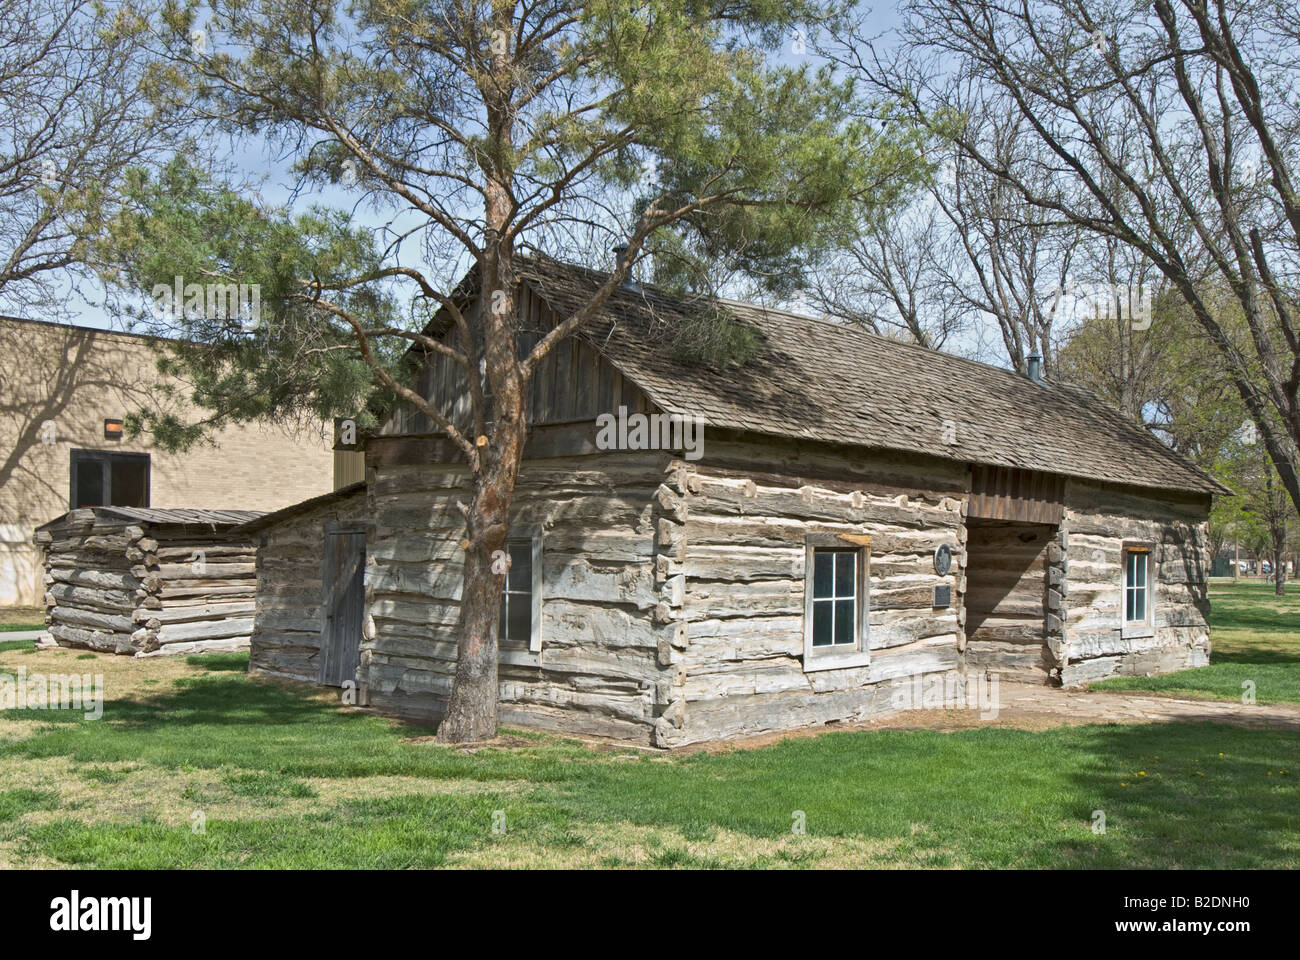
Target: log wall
point(732, 546)
point(673, 590)
point(286, 638)
point(1099, 518)
point(604, 630)
point(147, 589)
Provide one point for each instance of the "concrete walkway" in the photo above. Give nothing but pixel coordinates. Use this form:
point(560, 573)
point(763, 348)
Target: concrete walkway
point(32, 635)
point(1038, 707)
point(1023, 706)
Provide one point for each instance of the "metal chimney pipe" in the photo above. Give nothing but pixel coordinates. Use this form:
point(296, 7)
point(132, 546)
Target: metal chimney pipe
point(1035, 364)
point(620, 254)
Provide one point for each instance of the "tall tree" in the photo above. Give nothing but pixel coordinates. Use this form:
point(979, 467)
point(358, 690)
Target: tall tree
point(1167, 376)
point(1172, 379)
point(1171, 128)
point(1016, 259)
point(1262, 515)
point(483, 131)
point(74, 118)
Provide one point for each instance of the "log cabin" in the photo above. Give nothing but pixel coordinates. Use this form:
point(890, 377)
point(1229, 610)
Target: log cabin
point(149, 582)
point(708, 551)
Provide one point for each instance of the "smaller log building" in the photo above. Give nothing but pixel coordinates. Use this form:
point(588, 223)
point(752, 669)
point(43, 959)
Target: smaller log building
point(149, 582)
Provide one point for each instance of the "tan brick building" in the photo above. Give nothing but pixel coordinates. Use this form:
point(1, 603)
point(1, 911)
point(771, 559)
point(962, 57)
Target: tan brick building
point(63, 389)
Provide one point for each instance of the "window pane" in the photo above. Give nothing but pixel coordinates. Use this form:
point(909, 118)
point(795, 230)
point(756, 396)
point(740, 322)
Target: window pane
point(130, 486)
point(501, 618)
point(519, 619)
point(823, 573)
point(823, 614)
point(843, 621)
point(1137, 587)
point(90, 482)
point(520, 578)
point(846, 568)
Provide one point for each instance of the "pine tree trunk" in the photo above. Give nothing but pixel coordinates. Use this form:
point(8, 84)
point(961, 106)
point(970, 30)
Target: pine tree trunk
point(472, 708)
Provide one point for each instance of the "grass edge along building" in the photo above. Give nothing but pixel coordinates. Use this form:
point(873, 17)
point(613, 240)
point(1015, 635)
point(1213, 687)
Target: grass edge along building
point(861, 512)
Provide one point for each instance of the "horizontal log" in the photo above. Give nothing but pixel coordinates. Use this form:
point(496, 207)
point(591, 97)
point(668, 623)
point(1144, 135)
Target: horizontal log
point(186, 572)
point(223, 645)
point(1007, 631)
point(201, 611)
point(746, 498)
point(111, 580)
point(80, 617)
point(171, 553)
point(99, 640)
point(205, 630)
point(111, 601)
point(187, 591)
point(89, 546)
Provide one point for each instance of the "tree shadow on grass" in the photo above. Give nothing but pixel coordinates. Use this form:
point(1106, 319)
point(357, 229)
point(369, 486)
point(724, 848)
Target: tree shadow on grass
point(1199, 795)
point(988, 797)
point(228, 720)
point(1252, 618)
point(1255, 613)
point(207, 700)
point(213, 720)
point(1257, 656)
point(228, 662)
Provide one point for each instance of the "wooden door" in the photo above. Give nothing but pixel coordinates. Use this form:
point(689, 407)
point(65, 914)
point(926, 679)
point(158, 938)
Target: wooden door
point(344, 566)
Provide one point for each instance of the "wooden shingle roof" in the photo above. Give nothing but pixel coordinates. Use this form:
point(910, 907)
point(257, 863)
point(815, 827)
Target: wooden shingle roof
point(214, 519)
point(825, 381)
point(264, 520)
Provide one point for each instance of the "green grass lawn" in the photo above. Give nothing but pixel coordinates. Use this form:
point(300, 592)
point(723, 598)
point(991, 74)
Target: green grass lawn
point(1254, 635)
point(279, 776)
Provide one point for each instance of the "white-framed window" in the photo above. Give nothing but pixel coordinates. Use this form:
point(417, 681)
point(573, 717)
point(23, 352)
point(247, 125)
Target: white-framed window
point(836, 602)
point(1137, 590)
point(520, 625)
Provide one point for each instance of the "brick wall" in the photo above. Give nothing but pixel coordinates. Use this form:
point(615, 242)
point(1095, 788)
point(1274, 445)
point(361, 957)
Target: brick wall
point(57, 386)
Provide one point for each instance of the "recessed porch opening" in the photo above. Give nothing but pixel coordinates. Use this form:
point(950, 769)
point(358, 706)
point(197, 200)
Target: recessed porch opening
point(1006, 587)
point(1013, 518)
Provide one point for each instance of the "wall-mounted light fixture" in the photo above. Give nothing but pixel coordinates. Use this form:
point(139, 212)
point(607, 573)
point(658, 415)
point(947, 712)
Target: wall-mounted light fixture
point(112, 429)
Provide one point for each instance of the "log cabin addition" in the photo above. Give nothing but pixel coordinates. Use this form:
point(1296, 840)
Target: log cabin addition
point(861, 513)
point(309, 567)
